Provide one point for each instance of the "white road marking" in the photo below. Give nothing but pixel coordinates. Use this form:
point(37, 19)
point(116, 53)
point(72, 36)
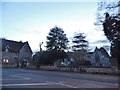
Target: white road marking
point(18, 75)
point(28, 84)
point(12, 79)
point(34, 84)
point(61, 83)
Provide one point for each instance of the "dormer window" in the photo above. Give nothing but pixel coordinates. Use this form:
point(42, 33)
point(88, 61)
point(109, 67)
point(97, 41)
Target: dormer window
point(7, 48)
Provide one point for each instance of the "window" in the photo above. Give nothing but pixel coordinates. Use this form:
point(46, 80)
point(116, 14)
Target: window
point(5, 60)
point(7, 48)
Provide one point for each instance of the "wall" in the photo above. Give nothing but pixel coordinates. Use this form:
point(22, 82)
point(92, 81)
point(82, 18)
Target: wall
point(104, 60)
point(98, 59)
point(25, 53)
point(10, 56)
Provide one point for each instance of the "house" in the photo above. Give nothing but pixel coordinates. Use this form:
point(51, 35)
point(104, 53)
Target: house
point(99, 58)
point(14, 53)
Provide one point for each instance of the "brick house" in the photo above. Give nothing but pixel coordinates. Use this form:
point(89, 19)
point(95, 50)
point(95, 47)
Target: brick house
point(14, 52)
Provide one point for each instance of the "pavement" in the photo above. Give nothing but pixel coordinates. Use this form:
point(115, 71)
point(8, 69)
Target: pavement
point(21, 78)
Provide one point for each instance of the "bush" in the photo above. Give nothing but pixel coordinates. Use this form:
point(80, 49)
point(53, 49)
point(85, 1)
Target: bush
point(85, 63)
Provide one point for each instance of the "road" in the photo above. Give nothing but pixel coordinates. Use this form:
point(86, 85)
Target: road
point(21, 78)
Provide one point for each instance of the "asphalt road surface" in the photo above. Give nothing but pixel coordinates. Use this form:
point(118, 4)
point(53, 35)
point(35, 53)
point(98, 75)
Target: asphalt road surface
point(21, 78)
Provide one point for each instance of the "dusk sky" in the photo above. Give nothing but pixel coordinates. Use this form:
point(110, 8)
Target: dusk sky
point(32, 21)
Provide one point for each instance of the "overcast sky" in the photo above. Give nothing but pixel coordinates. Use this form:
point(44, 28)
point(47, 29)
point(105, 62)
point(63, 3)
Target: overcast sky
point(32, 21)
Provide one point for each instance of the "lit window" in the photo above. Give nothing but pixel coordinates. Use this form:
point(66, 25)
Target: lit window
point(6, 60)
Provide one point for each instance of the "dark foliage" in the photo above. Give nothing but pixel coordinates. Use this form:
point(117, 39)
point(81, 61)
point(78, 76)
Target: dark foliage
point(47, 57)
point(111, 27)
point(79, 42)
point(112, 32)
point(85, 63)
point(80, 47)
point(56, 44)
point(36, 60)
point(56, 40)
point(53, 56)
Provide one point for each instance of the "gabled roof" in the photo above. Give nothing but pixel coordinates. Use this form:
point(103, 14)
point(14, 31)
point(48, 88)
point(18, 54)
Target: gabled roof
point(14, 46)
point(96, 49)
point(103, 51)
point(28, 46)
